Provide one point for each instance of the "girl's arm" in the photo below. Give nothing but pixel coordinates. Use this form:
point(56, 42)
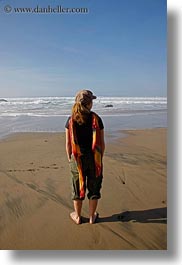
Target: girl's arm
point(102, 142)
point(68, 145)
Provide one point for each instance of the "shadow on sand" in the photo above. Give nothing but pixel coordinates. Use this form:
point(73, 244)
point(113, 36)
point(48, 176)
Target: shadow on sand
point(158, 215)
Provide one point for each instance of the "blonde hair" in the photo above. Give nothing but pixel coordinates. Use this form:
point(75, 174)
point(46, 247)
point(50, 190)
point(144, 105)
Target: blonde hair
point(80, 113)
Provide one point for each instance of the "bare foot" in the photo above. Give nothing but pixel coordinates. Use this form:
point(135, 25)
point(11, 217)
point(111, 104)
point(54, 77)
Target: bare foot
point(76, 219)
point(93, 219)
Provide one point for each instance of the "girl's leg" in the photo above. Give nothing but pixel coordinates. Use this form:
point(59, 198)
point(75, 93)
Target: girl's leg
point(76, 215)
point(92, 210)
point(78, 207)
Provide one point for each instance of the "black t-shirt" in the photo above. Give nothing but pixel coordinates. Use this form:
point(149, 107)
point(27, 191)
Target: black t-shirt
point(84, 133)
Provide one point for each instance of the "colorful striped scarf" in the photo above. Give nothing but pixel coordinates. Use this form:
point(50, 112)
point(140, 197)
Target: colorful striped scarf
point(96, 149)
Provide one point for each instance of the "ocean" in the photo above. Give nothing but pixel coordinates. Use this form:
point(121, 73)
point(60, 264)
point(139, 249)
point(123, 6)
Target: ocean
point(49, 114)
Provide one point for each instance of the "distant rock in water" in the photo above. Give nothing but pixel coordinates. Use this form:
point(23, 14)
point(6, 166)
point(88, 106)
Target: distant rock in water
point(108, 106)
point(3, 100)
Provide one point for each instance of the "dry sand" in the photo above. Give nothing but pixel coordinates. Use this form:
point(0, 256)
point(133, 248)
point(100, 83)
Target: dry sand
point(35, 194)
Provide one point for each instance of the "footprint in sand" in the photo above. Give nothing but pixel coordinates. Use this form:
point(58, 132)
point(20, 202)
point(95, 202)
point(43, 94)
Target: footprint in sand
point(53, 166)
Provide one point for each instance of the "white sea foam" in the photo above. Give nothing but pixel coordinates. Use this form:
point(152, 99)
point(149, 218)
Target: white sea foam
point(55, 106)
point(49, 114)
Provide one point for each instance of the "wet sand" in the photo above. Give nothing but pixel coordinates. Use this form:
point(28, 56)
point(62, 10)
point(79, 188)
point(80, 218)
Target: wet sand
point(35, 194)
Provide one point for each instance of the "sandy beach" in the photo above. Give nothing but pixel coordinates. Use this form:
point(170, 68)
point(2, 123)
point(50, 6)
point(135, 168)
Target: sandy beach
point(35, 199)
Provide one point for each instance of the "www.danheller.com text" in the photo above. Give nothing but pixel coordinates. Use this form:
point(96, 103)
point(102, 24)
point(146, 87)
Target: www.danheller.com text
point(45, 10)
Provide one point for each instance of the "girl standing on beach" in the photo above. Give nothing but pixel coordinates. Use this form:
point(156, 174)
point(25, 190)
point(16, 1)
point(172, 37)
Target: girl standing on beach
point(85, 148)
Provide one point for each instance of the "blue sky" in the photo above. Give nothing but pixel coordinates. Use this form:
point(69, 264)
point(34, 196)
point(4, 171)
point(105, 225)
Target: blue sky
point(117, 49)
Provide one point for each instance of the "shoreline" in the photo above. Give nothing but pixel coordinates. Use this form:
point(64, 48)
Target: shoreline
point(35, 197)
point(109, 135)
point(112, 125)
